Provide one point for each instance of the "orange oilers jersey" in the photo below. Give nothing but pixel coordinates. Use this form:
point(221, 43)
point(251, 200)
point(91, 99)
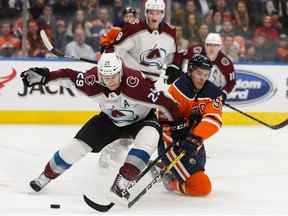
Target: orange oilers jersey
point(205, 100)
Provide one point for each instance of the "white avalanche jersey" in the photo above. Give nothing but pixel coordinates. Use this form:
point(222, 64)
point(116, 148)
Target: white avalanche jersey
point(145, 50)
point(130, 103)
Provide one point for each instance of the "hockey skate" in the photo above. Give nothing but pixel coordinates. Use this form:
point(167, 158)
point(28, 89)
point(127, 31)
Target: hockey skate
point(157, 169)
point(118, 191)
point(168, 180)
point(39, 183)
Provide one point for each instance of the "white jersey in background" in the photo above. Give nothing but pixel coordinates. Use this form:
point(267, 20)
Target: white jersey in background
point(146, 50)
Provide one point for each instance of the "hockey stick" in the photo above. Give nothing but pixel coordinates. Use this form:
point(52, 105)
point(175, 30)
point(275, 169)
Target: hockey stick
point(59, 53)
point(155, 180)
point(105, 208)
point(274, 127)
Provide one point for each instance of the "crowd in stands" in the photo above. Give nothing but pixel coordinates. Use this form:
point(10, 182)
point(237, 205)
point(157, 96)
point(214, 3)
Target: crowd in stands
point(252, 30)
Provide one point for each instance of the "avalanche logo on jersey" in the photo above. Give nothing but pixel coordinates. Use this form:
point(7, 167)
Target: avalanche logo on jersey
point(7, 78)
point(123, 115)
point(153, 57)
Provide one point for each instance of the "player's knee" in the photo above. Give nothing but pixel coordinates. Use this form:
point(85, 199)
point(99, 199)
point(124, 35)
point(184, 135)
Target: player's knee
point(147, 139)
point(74, 151)
point(198, 184)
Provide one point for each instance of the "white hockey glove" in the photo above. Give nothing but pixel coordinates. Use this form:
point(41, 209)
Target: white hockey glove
point(34, 76)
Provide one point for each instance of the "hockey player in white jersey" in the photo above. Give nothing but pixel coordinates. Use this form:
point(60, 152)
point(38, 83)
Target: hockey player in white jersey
point(127, 101)
point(146, 46)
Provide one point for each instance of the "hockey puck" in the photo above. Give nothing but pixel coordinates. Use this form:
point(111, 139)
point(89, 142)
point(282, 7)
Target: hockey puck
point(55, 206)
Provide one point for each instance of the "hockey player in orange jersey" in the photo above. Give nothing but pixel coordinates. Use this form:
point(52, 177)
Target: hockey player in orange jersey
point(198, 101)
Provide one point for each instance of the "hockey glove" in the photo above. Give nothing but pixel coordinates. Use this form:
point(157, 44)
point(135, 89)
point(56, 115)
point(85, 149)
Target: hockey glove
point(195, 117)
point(223, 97)
point(179, 130)
point(194, 140)
point(172, 72)
point(34, 76)
point(191, 144)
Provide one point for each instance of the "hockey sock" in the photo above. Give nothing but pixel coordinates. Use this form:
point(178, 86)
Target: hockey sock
point(135, 162)
point(56, 166)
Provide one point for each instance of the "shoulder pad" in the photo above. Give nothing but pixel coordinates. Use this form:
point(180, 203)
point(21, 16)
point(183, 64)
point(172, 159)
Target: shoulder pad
point(129, 30)
point(183, 84)
point(210, 90)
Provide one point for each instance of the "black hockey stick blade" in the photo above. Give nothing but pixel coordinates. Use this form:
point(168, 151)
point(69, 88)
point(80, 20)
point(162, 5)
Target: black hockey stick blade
point(280, 125)
point(96, 206)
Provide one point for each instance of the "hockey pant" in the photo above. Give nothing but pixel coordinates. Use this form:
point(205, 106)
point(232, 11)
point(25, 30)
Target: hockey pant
point(190, 178)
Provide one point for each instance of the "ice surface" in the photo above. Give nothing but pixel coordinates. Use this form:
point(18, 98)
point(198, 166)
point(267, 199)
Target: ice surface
point(247, 165)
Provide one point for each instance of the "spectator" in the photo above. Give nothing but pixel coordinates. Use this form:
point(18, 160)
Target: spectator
point(8, 43)
point(47, 21)
point(256, 8)
point(93, 6)
point(81, 4)
point(79, 21)
point(269, 32)
point(203, 6)
point(104, 18)
point(65, 9)
point(36, 46)
point(202, 34)
point(276, 21)
point(177, 13)
point(118, 7)
point(269, 8)
point(282, 8)
point(216, 23)
point(222, 6)
point(242, 19)
point(230, 48)
point(101, 25)
point(36, 8)
point(227, 29)
point(209, 17)
point(181, 42)
point(78, 47)
point(241, 43)
point(282, 50)
point(61, 38)
point(190, 8)
point(192, 27)
point(265, 50)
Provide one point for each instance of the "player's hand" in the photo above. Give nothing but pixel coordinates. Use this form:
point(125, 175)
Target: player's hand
point(179, 130)
point(194, 140)
point(192, 144)
point(223, 97)
point(34, 76)
point(172, 72)
point(195, 116)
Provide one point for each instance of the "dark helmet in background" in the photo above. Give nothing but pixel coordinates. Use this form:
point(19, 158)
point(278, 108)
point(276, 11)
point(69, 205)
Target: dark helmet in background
point(128, 10)
point(199, 61)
